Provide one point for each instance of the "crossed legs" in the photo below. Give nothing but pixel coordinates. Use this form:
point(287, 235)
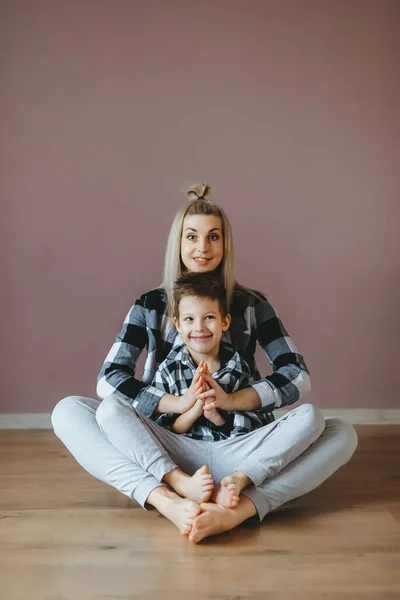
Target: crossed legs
point(78, 423)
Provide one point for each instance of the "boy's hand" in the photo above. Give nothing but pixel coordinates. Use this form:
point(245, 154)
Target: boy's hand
point(213, 415)
point(197, 408)
point(188, 399)
point(215, 397)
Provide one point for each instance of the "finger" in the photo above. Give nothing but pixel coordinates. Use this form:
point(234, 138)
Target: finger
point(210, 380)
point(207, 394)
point(200, 369)
point(208, 407)
point(198, 388)
point(199, 375)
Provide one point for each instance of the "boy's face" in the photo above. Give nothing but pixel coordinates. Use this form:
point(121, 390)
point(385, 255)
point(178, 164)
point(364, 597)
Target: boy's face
point(201, 324)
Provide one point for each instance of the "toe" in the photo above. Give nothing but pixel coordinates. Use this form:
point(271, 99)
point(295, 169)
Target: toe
point(226, 481)
point(204, 470)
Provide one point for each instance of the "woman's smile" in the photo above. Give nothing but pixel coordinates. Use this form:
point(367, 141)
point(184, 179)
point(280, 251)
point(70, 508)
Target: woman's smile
point(202, 245)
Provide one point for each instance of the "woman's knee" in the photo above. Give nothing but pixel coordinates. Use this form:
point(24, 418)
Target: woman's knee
point(348, 438)
point(110, 408)
point(314, 417)
point(64, 413)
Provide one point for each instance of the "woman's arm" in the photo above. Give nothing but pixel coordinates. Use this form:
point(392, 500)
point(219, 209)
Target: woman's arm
point(290, 380)
point(118, 371)
point(117, 374)
point(245, 399)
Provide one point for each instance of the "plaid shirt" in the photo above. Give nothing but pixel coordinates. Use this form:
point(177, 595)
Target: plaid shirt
point(174, 376)
point(253, 320)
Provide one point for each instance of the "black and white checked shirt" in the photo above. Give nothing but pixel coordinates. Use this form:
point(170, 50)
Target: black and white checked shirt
point(147, 326)
point(174, 376)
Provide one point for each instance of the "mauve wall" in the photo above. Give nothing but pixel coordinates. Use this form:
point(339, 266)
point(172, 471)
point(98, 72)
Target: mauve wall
point(108, 107)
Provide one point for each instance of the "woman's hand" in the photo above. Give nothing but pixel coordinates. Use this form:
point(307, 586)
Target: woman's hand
point(215, 397)
point(188, 399)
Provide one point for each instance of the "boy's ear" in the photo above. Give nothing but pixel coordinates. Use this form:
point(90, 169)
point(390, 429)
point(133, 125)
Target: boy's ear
point(176, 324)
point(226, 322)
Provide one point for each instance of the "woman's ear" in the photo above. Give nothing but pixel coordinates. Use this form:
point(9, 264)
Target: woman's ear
point(226, 322)
point(176, 325)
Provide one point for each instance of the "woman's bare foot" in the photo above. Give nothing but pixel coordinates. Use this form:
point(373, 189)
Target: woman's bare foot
point(198, 488)
point(180, 511)
point(227, 492)
point(215, 519)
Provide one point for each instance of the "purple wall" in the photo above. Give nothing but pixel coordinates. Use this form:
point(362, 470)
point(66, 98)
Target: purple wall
point(107, 108)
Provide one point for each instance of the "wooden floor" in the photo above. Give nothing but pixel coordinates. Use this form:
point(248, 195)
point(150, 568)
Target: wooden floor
point(64, 535)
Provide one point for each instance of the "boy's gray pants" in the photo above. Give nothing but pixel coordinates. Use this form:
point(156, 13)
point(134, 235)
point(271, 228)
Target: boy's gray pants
point(285, 459)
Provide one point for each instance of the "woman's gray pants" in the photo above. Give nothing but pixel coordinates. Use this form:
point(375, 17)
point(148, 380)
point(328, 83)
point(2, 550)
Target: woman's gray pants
point(285, 459)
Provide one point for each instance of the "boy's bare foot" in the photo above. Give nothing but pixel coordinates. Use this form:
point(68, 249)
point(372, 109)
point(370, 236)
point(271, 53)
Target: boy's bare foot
point(227, 492)
point(215, 519)
point(198, 488)
point(180, 511)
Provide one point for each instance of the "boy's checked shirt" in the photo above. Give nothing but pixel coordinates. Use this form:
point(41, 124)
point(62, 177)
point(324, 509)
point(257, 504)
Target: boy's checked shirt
point(174, 376)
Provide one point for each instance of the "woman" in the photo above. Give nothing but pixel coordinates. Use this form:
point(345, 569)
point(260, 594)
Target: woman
point(118, 443)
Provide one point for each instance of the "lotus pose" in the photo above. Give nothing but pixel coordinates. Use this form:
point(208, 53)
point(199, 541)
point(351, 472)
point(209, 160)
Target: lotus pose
point(234, 460)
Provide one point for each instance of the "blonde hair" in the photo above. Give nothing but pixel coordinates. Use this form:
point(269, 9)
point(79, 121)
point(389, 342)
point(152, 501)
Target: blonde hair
point(173, 266)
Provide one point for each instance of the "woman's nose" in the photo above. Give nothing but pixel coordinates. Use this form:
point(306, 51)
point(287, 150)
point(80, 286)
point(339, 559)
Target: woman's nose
point(202, 245)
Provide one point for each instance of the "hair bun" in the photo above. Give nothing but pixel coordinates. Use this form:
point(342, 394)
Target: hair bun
point(199, 191)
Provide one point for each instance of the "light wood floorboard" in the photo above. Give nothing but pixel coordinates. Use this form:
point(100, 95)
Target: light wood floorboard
point(64, 535)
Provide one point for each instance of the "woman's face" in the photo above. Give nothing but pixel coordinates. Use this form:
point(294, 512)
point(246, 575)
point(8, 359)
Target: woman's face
point(202, 246)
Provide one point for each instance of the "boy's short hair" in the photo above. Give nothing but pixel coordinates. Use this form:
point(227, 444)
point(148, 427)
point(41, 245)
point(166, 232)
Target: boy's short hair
point(201, 285)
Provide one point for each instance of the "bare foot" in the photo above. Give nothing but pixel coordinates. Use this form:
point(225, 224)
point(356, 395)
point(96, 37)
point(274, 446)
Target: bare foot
point(198, 488)
point(228, 491)
point(215, 519)
point(180, 511)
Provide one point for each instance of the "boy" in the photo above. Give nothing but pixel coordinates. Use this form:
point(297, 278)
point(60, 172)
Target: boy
point(201, 317)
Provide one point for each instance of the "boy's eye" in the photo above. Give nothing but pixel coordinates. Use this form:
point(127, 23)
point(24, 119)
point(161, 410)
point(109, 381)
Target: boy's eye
point(187, 319)
point(210, 317)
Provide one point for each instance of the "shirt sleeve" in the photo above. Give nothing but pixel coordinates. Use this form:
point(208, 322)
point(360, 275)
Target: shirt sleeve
point(290, 379)
point(243, 379)
point(164, 382)
point(117, 374)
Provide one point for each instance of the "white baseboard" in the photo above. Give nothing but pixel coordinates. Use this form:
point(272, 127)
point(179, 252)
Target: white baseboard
point(356, 416)
point(27, 421)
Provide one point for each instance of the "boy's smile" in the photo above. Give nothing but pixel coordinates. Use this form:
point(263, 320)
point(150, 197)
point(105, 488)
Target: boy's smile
point(201, 325)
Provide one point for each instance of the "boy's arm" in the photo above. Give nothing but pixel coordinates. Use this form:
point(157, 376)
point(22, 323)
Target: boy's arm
point(173, 401)
point(184, 422)
point(169, 403)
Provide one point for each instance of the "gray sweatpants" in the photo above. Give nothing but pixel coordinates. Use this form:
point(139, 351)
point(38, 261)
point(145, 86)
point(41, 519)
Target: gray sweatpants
point(125, 449)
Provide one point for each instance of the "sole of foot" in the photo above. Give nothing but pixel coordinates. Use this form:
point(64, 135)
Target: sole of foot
point(199, 487)
point(212, 520)
point(182, 513)
point(227, 492)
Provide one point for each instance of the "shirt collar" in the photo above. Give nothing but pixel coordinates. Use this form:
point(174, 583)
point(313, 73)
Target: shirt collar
point(227, 356)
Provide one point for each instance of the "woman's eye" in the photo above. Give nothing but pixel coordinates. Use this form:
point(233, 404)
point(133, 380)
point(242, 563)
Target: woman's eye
point(214, 237)
point(190, 237)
